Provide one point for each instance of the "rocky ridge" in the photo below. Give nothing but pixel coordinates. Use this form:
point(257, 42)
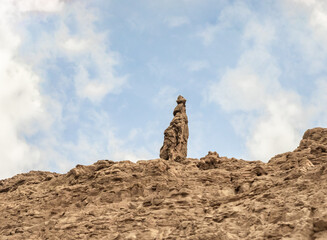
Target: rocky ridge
point(175, 197)
point(209, 198)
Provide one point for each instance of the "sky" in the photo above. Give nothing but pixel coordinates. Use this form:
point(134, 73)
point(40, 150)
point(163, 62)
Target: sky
point(84, 80)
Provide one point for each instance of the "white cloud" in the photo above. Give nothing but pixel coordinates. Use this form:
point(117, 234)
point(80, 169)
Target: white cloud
point(318, 102)
point(24, 111)
point(96, 139)
point(176, 21)
point(38, 5)
point(76, 39)
point(22, 107)
point(197, 65)
point(233, 14)
point(76, 45)
point(238, 89)
point(166, 97)
point(247, 86)
point(272, 116)
point(118, 148)
point(104, 139)
point(96, 89)
point(277, 130)
point(208, 33)
point(90, 49)
point(259, 34)
point(308, 30)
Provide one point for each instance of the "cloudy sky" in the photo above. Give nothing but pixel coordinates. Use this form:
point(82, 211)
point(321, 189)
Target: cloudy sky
point(83, 80)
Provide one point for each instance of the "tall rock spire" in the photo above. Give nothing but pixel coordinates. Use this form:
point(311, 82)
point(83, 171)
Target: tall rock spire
point(176, 135)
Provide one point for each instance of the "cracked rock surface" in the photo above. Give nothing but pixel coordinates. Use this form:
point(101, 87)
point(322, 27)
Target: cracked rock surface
point(209, 198)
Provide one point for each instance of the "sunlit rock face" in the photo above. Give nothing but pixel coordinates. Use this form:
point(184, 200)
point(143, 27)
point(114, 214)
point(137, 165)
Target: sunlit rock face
point(176, 135)
point(214, 197)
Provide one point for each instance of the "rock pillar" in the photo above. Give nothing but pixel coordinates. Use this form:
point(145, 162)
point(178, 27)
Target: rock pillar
point(176, 135)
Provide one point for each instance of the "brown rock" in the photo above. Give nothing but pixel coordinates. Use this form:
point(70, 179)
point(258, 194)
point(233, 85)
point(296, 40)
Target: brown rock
point(214, 197)
point(176, 135)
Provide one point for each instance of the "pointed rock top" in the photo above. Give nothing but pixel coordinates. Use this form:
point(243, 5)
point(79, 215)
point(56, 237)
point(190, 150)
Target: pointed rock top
point(181, 99)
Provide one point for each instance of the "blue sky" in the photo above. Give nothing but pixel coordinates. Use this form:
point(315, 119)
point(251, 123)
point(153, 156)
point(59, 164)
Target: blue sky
point(88, 80)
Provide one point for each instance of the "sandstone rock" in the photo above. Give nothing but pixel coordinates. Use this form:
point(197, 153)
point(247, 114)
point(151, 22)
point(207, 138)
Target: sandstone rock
point(214, 197)
point(176, 135)
point(314, 145)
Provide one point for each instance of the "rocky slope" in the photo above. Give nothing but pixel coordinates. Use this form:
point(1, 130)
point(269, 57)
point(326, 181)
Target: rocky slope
point(209, 198)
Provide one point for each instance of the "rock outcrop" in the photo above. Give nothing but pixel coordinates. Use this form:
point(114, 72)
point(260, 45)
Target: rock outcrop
point(214, 197)
point(176, 135)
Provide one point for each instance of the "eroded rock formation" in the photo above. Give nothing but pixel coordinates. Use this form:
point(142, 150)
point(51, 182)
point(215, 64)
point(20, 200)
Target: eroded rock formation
point(214, 197)
point(176, 135)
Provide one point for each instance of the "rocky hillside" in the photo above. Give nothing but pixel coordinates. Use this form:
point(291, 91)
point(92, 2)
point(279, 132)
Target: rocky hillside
point(209, 198)
point(175, 197)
